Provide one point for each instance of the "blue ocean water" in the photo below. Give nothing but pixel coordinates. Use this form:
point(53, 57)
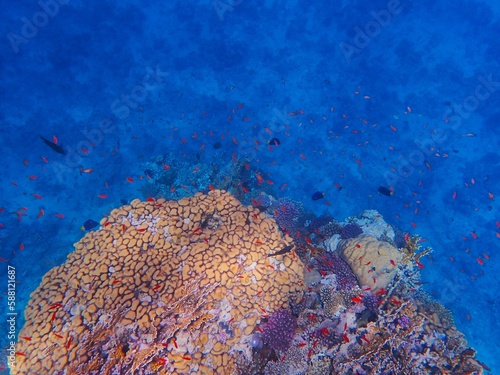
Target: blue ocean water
point(361, 94)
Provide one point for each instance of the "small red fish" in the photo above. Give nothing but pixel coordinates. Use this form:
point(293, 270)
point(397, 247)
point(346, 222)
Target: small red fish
point(69, 342)
point(454, 196)
point(37, 196)
point(102, 196)
point(480, 261)
point(474, 235)
point(346, 338)
point(393, 262)
point(130, 179)
point(60, 216)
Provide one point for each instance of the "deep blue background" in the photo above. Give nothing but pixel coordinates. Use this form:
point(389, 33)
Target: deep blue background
point(398, 111)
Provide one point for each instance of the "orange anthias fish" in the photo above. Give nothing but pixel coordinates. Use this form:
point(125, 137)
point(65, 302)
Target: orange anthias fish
point(260, 179)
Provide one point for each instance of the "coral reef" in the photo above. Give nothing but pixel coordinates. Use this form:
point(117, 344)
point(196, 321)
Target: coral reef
point(203, 285)
point(162, 287)
point(373, 262)
point(279, 330)
point(409, 334)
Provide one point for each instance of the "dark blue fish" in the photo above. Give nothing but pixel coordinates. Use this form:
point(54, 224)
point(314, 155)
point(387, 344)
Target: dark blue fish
point(89, 224)
point(317, 196)
point(385, 191)
point(53, 146)
point(285, 250)
point(274, 142)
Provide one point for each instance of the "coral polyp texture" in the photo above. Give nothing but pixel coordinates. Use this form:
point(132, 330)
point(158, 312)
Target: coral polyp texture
point(279, 330)
point(162, 287)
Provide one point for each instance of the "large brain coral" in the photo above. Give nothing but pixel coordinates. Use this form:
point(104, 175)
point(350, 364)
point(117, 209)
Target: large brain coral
point(162, 287)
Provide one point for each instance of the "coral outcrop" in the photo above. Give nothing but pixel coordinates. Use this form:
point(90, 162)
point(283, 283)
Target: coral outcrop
point(373, 262)
point(162, 287)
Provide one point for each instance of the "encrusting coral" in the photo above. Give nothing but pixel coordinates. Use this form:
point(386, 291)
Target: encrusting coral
point(162, 287)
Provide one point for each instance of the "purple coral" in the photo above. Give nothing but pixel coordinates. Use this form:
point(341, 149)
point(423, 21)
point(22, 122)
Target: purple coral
point(404, 321)
point(287, 213)
point(371, 302)
point(279, 330)
point(350, 231)
point(333, 263)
